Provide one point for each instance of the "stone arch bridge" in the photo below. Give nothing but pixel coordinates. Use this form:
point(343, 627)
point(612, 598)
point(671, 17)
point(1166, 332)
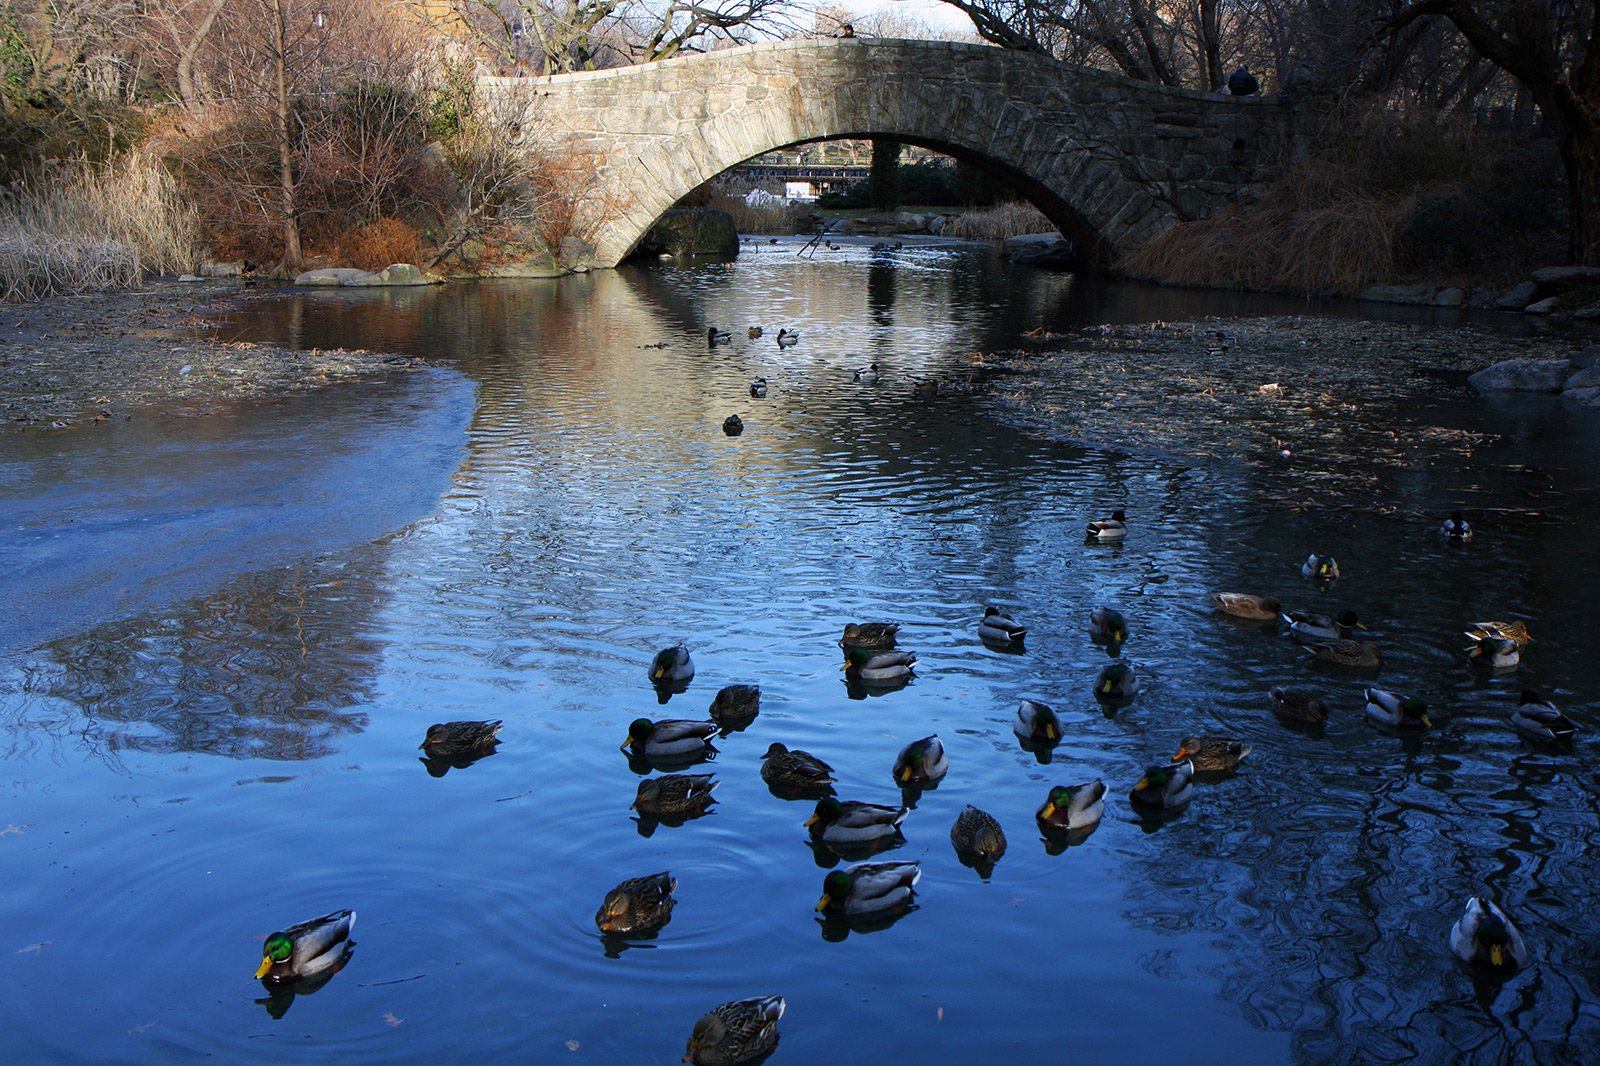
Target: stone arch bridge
point(1111, 161)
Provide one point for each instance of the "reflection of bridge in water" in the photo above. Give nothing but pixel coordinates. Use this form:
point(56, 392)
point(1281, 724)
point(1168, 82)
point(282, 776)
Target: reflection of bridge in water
point(1111, 161)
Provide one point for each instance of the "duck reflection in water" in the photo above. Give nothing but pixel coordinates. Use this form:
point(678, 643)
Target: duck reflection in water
point(280, 997)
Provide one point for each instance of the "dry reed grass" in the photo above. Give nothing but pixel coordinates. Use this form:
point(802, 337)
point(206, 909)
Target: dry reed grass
point(999, 222)
point(777, 217)
point(94, 227)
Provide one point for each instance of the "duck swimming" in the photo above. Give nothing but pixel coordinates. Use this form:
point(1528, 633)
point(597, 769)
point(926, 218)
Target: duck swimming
point(447, 740)
point(1399, 712)
point(1106, 530)
point(1036, 722)
point(1000, 629)
point(739, 1032)
point(868, 667)
point(1323, 568)
point(921, 762)
point(674, 795)
point(716, 337)
point(866, 375)
point(758, 388)
point(1538, 717)
point(1073, 806)
point(638, 905)
point(1245, 605)
point(733, 425)
point(307, 949)
point(672, 665)
point(1312, 626)
point(795, 771)
point(1107, 626)
point(1116, 682)
point(1456, 528)
point(976, 835)
point(1484, 936)
point(1298, 705)
point(873, 635)
point(849, 823)
point(1213, 754)
point(788, 338)
point(1165, 787)
point(869, 889)
point(670, 738)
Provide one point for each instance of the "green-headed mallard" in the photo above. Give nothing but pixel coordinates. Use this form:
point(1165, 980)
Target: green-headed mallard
point(716, 337)
point(1213, 754)
point(736, 705)
point(796, 771)
point(1298, 705)
point(446, 740)
point(976, 835)
point(671, 666)
point(1245, 605)
point(850, 823)
point(733, 425)
point(638, 905)
point(1107, 626)
point(1401, 712)
point(1493, 653)
point(672, 795)
point(1345, 652)
point(1116, 682)
point(866, 375)
point(758, 388)
point(869, 888)
point(921, 763)
point(1106, 530)
point(1485, 937)
point(1166, 786)
point(1320, 568)
point(736, 1032)
point(999, 628)
point(307, 949)
point(877, 667)
point(669, 738)
point(788, 338)
point(1037, 723)
point(1516, 632)
point(1456, 528)
point(1073, 806)
point(1315, 626)
point(1538, 717)
point(875, 636)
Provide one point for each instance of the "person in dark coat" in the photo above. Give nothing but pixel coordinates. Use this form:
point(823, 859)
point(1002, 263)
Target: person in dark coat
point(1243, 83)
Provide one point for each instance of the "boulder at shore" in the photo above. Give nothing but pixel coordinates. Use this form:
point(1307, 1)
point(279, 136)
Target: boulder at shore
point(1523, 375)
point(696, 231)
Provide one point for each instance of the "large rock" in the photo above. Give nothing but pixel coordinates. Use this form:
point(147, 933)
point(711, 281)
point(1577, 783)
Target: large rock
point(329, 276)
point(696, 231)
point(1589, 396)
point(1587, 378)
point(1541, 307)
point(1586, 357)
point(1519, 297)
point(397, 274)
point(1523, 375)
point(1565, 275)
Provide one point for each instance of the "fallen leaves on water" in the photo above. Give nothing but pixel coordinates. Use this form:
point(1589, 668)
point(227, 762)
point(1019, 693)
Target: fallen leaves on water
point(37, 949)
point(391, 1020)
point(573, 1045)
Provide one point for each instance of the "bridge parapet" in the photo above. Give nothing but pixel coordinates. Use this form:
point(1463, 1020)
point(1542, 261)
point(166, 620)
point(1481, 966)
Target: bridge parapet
point(1112, 161)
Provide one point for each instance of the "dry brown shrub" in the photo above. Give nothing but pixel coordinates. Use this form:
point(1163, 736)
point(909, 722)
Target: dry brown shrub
point(375, 245)
point(999, 222)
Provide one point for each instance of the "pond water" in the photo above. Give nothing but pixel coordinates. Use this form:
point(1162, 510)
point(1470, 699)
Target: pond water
point(229, 634)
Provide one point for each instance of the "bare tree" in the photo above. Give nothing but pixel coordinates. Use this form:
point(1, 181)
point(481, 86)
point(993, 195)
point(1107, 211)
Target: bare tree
point(1553, 50)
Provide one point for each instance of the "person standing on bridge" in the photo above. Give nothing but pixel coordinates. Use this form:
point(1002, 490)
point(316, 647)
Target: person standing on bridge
point(847, 30)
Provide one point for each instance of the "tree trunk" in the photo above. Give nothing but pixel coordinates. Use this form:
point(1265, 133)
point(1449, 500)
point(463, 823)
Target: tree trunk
point(884, 180)
point(190, 49)
point(285, 132)
point(1580, 155)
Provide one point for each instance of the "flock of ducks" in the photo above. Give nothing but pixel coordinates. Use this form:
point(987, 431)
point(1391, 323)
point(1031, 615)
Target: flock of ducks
point(733, 425)
point(745, 1031)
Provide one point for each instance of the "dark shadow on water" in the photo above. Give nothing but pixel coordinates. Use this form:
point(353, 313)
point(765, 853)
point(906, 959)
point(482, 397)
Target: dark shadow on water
point(438, 767)
point(645, 765)
point(647, 824)
point(836, 928)
point(665, 691)
point(280, 997)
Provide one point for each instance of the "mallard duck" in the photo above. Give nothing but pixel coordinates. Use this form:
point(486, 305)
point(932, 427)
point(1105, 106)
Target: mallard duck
point(921, 762)
point(869, 888)
point(1109, 529)
point(1000, 628)
point(638, 905)
point(795, 771)
point(1320, 568)
point(1213, 754)
point(866, 375)
point(977, 835)
point(307, 949)
point(1517, 632)
point(753, 332)
point(1244, 605)
point(733, 425)
point(925, 390)
point(875, 636)
point(851, 823)
point(1073, 806)
point(1312, 626)
point(1538, 717)
point(669, 738)
point(736, 705)
point(758, 388)
point(878, 667)
point(1116, 682)
point(1456, 528)
point(1492, 653)
point(1362, 653)
point(672, 795)
point(671, 666)
point(1400, 712)
point(715, 336)
point(1107, 626)
point(1484, 936)
point(737, 1032)
point(1166, 786)
point(1036, 722)
point(788, 338)
point(1298, 705)
point(447, 740)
